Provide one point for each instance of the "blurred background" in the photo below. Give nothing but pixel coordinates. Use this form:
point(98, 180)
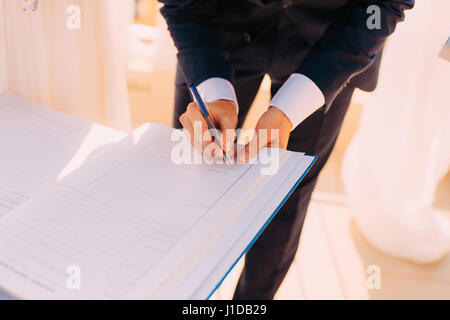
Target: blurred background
point(383, 200)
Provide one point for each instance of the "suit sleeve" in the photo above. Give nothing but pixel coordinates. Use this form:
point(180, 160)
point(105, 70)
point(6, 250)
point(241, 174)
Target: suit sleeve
point(194, 29)
point(349, 47)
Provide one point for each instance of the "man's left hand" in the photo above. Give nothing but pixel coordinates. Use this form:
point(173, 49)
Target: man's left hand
point(272, 131)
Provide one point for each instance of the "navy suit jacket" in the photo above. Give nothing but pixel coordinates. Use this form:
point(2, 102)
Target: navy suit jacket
point(342, 47)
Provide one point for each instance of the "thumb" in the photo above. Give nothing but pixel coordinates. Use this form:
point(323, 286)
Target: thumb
point(251, 149)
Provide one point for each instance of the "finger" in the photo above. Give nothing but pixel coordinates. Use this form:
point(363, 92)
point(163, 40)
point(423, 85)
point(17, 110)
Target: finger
point(212, 150)
point(227, 139)
point(227, 126)
point(187, 127)
point(194, 134)
point(252, 148)
point(194, 114)
point(201, 135)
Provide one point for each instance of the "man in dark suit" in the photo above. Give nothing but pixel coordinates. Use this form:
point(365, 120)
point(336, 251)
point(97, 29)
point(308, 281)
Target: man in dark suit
point(315, 52)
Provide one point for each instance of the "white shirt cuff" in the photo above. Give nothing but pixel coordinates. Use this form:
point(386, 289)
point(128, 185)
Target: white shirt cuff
point(214, 89)
point(298, 98)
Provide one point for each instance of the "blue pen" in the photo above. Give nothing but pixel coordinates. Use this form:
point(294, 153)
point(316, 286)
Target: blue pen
point(212, 128)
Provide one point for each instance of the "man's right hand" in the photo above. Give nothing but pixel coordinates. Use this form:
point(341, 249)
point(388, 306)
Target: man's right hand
point(225, 118)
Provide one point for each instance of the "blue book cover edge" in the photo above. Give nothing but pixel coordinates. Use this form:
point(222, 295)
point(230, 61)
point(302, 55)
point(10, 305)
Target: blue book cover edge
point(265, 225)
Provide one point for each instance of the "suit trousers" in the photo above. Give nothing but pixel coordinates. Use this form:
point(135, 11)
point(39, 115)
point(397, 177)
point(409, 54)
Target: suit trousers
point(277, 53)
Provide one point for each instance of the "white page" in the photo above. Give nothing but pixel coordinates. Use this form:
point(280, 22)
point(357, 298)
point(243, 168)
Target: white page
point(127, 219)
point(261, 208)
point(39, 146)
point(208, 280)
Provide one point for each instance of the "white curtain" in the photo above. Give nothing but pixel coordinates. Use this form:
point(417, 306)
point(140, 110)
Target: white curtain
point(402, 147)
point(80, 72)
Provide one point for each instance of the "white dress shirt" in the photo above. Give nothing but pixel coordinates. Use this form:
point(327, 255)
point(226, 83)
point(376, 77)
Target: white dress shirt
point(298, 98)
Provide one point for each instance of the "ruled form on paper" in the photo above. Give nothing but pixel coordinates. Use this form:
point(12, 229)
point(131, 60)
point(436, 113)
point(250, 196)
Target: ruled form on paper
point(39, 146)
point(135, 223)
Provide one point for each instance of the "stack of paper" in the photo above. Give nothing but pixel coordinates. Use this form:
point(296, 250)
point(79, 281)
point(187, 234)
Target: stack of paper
point(134, 223)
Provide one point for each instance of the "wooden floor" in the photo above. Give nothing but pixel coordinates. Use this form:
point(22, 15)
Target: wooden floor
point(333, 259)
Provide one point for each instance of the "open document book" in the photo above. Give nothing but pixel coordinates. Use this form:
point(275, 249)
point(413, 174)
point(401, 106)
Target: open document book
point(119, 211)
